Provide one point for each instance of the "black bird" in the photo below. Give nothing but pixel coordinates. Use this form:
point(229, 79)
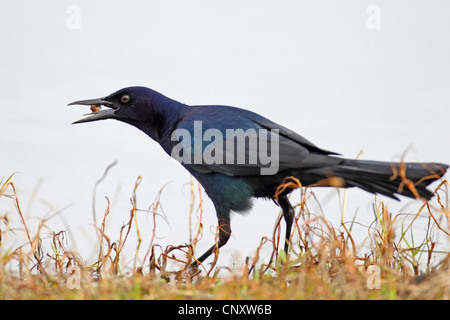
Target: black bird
point(237, 155)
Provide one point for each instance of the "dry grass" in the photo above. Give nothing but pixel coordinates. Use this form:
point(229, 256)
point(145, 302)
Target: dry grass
point(324, 262)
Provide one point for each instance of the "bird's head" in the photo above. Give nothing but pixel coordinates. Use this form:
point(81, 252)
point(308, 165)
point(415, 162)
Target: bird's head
point(132, 104)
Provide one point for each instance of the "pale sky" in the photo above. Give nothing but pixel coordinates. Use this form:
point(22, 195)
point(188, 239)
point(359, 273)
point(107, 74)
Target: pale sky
point(317, 68)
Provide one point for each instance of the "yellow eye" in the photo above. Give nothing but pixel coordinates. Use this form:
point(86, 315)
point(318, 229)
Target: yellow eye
point(125, 98)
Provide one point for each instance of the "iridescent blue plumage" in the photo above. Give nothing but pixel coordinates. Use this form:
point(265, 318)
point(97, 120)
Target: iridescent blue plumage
point(231, 185)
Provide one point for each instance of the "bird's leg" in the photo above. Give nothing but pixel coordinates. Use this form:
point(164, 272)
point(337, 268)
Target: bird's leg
point(288, 214)
point(224, 235)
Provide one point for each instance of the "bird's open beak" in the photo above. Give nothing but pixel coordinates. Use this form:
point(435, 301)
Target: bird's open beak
point(97, 113)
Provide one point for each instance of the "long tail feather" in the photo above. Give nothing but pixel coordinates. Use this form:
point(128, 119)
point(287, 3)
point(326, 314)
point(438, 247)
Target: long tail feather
point(408, 179)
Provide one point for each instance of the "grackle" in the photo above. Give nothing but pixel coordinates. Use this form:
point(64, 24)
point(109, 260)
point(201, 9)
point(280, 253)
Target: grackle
point(238, 155)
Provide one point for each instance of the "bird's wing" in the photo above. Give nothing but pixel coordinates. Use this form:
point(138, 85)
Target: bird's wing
point(265, 148)
point(288, 133)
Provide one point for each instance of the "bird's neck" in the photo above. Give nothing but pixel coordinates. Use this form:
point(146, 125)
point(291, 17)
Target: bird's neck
point(163, 118)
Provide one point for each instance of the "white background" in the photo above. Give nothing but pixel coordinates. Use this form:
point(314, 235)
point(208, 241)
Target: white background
point(313, 66)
